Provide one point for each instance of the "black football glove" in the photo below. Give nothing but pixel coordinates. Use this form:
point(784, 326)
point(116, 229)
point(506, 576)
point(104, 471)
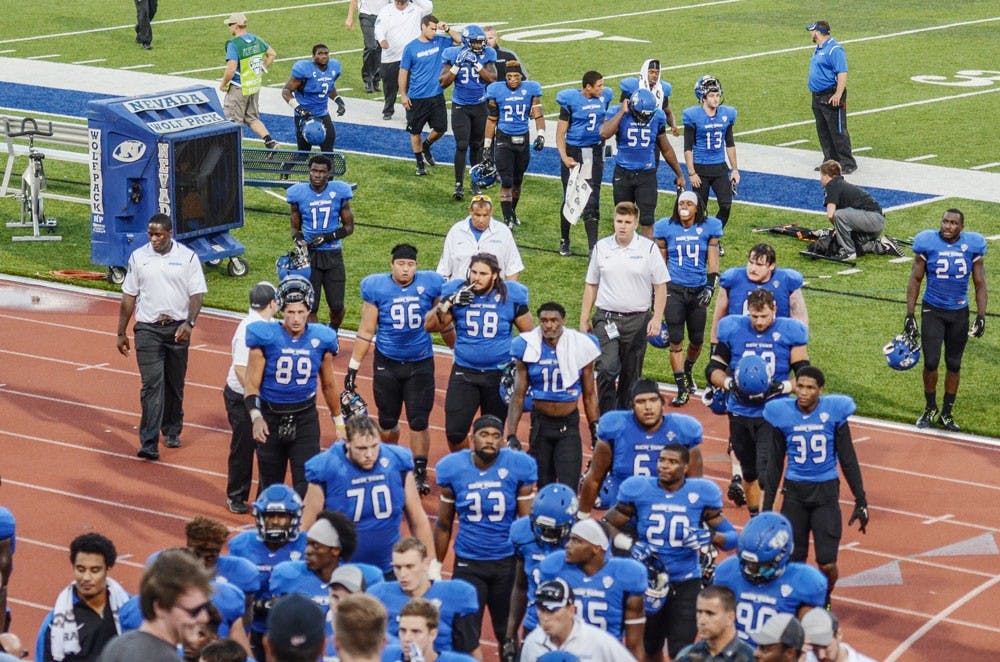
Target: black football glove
point(859, 515)
point(509, 651)
point(302, 114)
point(539, 143)
point(341, 107)
point(978, 327)
point(705, 296)
point(910, 327)
point(349, 380)
point(461, 297)
point(513, 442)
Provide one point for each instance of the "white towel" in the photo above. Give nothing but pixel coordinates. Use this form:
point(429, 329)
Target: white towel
point(63, 635)
point(573, 351)
point(657, 89)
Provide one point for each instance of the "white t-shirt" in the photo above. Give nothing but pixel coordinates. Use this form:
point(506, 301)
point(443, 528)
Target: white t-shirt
point(240, 351)
point(163, 284)
point(625, 275)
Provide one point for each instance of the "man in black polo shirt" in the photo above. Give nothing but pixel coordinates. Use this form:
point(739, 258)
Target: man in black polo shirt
point(855, 214)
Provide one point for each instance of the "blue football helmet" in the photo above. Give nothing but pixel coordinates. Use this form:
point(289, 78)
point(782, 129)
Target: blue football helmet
point(657, 579)
point(751, 375)
point(642, 105)
point(295, 289)
point(765, 547)
point(294, 262)
point(351, 405)
point(474, 38)
point(714, 399)
point(278, 498)
point(507, 386)
point(313, 131)
point(661, 339)
point(553, 514)
point(707, 83)
point(903, 352)
point(484, 175)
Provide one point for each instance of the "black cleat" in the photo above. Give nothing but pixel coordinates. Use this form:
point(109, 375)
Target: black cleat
point(680, 399)
point(736, 493)
point(459, 193)
point(237, 507)
point(420, 477)
point(564, 248)
point(271, 144)
point(421, 170)
point(948, 423)
point(927, 418)
point(428, 157)
point(691, 386)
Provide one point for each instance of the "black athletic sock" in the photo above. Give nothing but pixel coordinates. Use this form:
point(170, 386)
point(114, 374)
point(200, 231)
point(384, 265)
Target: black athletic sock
point(681, 380)
point(420, 464)
point(931, 399)
point(508, 210)
point(949, 402)
point(419, 156)
point(688, 366)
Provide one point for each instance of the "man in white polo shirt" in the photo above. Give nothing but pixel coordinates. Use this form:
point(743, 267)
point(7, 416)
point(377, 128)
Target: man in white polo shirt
point(396, 25)
point(625, 269)
point(163, 286)
point(478, 233)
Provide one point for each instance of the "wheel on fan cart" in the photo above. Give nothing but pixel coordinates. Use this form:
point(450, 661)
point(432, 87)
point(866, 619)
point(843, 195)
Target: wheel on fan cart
point(116, 275)
point(214, 263)
point(237, 267)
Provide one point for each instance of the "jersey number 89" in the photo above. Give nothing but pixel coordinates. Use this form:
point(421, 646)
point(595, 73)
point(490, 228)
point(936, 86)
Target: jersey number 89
point(286, 368)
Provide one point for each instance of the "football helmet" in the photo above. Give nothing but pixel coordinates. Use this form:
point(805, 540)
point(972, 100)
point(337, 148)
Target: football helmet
point(553, 514)
point(278, 498)
point(484, 175)
point(903, 352)
point(751, 375)
point(662, 339)
point(507, 380)
point(642, 105)
point(313, 131)
point(474, 38)
point(765, 547)
point(714, 399)
point(294, 263)
point(707, 83)
point(295, 289)
point(352, 404)
point(658, 581)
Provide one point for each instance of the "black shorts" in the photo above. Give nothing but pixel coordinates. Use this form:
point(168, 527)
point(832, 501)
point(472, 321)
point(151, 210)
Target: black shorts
point(716, 178)
point(328, 276)
point(638, 186)
point(814, 507)
point(469, 391)
point(396, 383)
point(468, 124)
point(511, 156)
point(683, 309)
point(751, 441)
point(950, 327)
point(431, 111)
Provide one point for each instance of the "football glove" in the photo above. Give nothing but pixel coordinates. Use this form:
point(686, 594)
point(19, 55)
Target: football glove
point(697, 538)
point(513, 442)
point(341, 106)
point(978, 327)
point(466, 57)
point(302, 113)
point(859, 515)
point(461, 297)
point(509, 651)
point(349, 379)
point(705, 296)
point(910, 327)
point(539, 143)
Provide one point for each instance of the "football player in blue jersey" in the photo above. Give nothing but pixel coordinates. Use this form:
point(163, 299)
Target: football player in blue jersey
point(8, 543)
point(609, 590)
point(456, 598)
point(689, 242)
point(471, 67)
point(779, 344)
point(288, 361)
point(629, 444)
point(763, 577)
point(373, 483)
point(948, 257)
point(487, 487)
point(484, 309)
point(557, 365)
point(395, 305)
point(578, 138)
point(674, 517)
point(510, 103)
point(419, 621)
point(640, 130)
point(534, 537)
point(811, 429)
point(321, 216)
point(649, 79)
point(708, 144)
point(278, 513)
point(313, 82)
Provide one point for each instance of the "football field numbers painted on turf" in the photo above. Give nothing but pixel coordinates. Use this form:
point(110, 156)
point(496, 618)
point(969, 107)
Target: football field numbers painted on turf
point(964, 78)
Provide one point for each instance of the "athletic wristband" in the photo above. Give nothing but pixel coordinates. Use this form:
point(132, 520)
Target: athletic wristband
point(623, 541)
point(487, 143)
point(338, 420)
point(454, 69)
point(340, 233)
point(252, 402)
point(786, 387)
point(479, 67)
point(580, 515)
point(255, 415)
point(353, 364)
point(713, 280)
point(293, 103)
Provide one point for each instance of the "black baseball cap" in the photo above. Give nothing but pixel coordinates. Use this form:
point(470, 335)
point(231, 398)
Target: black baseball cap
point(261, 294)
point(553, 594)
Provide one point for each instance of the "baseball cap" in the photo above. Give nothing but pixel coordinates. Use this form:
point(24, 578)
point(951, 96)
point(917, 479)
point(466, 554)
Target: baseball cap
point(350, 577)
point(261, 294)
point(553, 594)
point(296, 623)
point(820, 26)
point(781, 629)
point(820, 626)
point(236, 18)
point(589, 530)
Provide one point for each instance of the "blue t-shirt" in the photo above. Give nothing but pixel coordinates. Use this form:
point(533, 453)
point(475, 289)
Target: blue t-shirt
point(291, 365)
point(586, 115)
point(637, 148)
point(296, 577)
point(485, 500)
point(827, 61)
point(452, 597)
point(374, 499)
point(810, 439)
point(423, 60)
point(663, 518)
point(470, 89)
point(316, 84)
point(710, 132)
point(687, 249)
point(782, 284)
point(514, 106)
point(531, 552)
point(949, 266)
point(545, 379)
point(320, 212)
point(483, 328)
point(247, 545)
point(401, 311)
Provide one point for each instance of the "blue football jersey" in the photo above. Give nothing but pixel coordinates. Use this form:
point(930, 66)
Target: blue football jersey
point(470, 89)
point(423, 60)
point(484, 328)
point(401, 311)
point(629, 86)
point(782, 284)
point(320, 211)
point(687, 249)
point(600, 598)
point(296, 577)
point(316, 84)
point(485, 500)
point(637, 148)
point(586, 115)
point(531, 552)
point(374, 499)
point(514, 106)
point(452, 597)
point(663, 518)
point(774, 345)
point(240, 572)
point(710, 132)
point(799, 585)
point(8, 527)
point(247, 545)
point(949, 266)
point(231, 603)
point(545, 380)
point(810, 438)
point(291, 368)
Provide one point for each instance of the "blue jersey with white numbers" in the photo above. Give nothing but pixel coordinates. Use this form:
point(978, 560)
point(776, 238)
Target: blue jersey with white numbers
point(374, 499)
point(949, 266)
point(423, 60)
point(316, 84)
point(514, 106)
point(470, 89)
point(637, 148)
point(291, 365)
point(247, 545)
point(782, 284)
point(710, 132)
point(600, 598)
point(485, 500)
point(452, 597)
point(586, 115)
point(663, 518)
point(687, 248)
point(320, 212)
point(296, 577)
point(629, 86)
point(810, 438)
point(799, 585)
point(774, 345)
point(531, 552)
point(401, 311)
point(545, 379)
point(483, 329)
